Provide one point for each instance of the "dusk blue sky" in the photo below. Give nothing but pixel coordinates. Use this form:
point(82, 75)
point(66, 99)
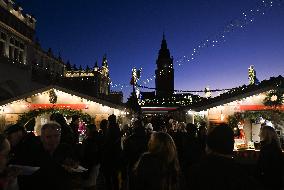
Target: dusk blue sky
point(130, 33)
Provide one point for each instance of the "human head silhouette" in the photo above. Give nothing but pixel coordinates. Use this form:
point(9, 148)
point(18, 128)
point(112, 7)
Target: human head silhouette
point(221, 139)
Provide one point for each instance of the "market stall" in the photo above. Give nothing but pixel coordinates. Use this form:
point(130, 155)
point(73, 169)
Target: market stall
point(41, 103)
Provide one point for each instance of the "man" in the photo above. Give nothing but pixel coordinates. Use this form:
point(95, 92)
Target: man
point(50, 137)
point(55, 160)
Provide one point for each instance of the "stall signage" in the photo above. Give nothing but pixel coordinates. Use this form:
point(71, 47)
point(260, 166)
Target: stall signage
point(259, 107)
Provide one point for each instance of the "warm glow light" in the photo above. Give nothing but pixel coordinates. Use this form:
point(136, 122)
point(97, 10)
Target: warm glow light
point(222, 117)
point(273, 98)
point(190, 112)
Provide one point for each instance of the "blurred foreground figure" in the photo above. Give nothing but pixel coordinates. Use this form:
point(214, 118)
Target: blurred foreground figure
point(111, 154)
point(270, 162)
point(8, 175)
point(23, 144)
point(158, 169)
point(219, 170)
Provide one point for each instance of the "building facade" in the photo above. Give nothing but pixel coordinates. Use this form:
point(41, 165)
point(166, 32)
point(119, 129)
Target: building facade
point(26, 66)
point(96, 76)
point(17, 32)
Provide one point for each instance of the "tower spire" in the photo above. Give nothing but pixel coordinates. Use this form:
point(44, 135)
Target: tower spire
point(164, 43)
point(96, 68)
point(104, 63)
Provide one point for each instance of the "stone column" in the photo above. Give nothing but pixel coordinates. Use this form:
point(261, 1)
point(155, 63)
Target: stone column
point(6, 46)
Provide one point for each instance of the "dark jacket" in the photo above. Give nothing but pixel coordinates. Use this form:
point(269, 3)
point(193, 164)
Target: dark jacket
point(111, 154)
point(92, 150)
point(51, 174)
point(270, 166)
point(152, 175)
point(134, 146)
point(25, 151)
point(218, 172)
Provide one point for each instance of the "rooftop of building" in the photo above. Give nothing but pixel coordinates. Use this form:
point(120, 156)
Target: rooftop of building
point(17, 11)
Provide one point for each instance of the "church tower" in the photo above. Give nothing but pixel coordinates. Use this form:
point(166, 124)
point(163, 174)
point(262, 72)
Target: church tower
point(164, 72)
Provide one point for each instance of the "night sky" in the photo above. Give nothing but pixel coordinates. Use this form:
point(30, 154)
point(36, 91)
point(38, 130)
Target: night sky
point(240, 33)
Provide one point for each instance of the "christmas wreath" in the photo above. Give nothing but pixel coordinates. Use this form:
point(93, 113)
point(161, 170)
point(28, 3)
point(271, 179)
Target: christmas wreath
point(52, 97)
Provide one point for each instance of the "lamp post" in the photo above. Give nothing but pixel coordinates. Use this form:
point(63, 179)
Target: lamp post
point(133, 100)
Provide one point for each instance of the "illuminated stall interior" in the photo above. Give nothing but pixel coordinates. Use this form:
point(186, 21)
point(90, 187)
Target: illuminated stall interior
point(251, 103)
point(57, 98)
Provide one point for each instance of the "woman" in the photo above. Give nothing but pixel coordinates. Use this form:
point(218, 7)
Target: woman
point(158, 169)
point(269, 167)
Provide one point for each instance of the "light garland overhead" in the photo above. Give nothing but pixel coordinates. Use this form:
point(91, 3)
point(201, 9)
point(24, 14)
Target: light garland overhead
point(245, 18)
point(206, 90)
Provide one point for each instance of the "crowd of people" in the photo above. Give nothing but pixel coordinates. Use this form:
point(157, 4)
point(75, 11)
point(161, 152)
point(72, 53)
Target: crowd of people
point(160, 156)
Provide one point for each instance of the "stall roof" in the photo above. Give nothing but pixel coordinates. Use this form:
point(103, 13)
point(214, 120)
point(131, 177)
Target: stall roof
point(237, 94)
point(26, 95)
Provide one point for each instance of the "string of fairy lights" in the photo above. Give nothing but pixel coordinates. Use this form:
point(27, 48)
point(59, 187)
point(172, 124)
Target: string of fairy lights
point(188, 99)
point(245, 19)
point(189, 91)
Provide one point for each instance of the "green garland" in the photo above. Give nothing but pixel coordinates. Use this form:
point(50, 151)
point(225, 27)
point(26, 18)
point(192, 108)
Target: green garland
point(233, 120)
point(24, 118)
point(200, 120)
point(275, 116)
